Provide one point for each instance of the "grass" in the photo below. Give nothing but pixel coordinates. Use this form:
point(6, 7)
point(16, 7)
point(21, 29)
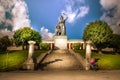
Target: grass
point(107, 61)
point(14, 60)
point(81, 52)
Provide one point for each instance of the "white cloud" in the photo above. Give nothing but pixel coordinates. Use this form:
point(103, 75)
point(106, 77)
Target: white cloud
point(6, 32)
point(111, 14)
point(108, 4)
point(46, 35)
point(83, 11)
point(20, 16)
point(17, 10)
point(74, 13)
point(71, 15)
point(2, 14)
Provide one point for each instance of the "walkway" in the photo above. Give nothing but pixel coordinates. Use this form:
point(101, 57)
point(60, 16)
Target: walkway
point(61, 75)
point(59, 60)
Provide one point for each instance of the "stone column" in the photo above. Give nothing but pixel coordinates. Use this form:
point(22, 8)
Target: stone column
point(31, 50)
point(84, 45)
point(80, 46)
point(29, 64)
point(88, 54)
point(51, 45)
point(69, 44)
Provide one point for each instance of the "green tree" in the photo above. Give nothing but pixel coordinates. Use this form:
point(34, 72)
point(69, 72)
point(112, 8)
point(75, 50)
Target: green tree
point(114, 43)
point(4, 43)
point(22, 36)
point(99, 33)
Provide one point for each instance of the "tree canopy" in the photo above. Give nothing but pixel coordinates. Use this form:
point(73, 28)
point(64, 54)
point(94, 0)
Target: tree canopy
point(4, 43)
point(114, 43)
point(22, 36)
point(99, 33)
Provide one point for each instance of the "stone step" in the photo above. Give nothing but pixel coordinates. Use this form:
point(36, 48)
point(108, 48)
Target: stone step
point(60, 60)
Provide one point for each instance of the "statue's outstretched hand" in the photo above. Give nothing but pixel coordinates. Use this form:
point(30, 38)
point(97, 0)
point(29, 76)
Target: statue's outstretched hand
point(66, 17)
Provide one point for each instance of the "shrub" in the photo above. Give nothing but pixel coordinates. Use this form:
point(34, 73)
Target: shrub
point(76, 46)
point(44, 46)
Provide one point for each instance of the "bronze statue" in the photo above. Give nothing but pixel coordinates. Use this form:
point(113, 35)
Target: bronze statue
point(60, 28)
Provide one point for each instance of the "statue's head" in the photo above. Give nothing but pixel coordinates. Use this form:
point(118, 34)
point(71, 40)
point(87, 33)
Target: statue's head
point(61, 17)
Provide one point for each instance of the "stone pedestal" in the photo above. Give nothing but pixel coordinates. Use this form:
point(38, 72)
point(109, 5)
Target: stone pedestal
point(88, 54)
point(51, 46)
point(60, 42)
point(29, 64)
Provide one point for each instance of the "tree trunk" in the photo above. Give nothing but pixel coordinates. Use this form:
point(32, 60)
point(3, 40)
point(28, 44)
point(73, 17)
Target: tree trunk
point(100, 51)
point(115, 50)
point(23, 47)
point(26, 47)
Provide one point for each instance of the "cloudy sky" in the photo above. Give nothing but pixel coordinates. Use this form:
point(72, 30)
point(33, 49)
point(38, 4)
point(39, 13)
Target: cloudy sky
point(43, 15)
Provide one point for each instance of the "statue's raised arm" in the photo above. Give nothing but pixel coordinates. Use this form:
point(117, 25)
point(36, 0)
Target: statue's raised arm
point(66, 17)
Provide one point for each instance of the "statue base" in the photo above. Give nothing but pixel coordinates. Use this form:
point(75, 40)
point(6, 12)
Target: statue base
point(60, 42)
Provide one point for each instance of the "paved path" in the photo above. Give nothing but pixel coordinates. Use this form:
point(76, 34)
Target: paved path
point(59, 59)
point(61, 75)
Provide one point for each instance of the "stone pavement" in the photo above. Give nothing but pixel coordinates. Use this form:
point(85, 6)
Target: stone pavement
point(61, 75)
point(59, 60)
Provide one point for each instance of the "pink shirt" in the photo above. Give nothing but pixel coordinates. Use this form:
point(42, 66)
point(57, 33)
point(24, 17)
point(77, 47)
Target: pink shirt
point(92, 61)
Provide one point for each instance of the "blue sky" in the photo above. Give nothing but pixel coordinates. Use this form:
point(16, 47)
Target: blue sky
point(44, 15)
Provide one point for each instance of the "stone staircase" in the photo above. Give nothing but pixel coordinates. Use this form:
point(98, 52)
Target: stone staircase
point(81, 59)
point(58, 60)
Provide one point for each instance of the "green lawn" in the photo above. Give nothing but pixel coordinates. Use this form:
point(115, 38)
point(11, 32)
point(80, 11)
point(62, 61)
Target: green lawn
point(108, 60)
point(13, 60)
